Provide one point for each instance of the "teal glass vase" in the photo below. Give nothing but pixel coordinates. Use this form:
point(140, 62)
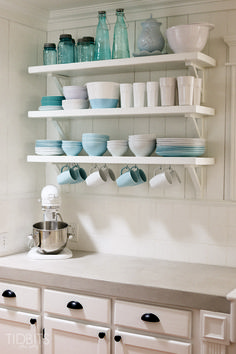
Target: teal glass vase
point(102, 50)
point(120, 47)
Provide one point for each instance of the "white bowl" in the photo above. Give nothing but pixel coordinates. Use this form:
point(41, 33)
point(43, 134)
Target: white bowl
point(75, 104)
point(142, 148)
point(103, 89)
point(75, 92)
point(188, 38)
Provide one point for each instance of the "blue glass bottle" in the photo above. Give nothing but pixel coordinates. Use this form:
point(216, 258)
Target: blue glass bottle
point(88, 49)
point(102, 49)
point(49, 54)
point(66, 49)
point(120, 47)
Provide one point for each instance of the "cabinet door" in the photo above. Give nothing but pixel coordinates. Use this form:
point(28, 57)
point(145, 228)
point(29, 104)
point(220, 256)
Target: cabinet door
point(19, 332)
point(70, 337)
point(129, 343)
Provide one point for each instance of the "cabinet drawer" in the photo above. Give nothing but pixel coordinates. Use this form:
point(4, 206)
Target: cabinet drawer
point(78, 306)
point(171, 322)
point(19, 296)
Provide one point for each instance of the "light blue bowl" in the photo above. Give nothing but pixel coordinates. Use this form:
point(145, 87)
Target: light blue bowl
point(95, 149)
point(103, 103)
point(72, 151)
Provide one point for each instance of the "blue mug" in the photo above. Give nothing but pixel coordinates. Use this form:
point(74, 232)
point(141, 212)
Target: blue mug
point(128, 178)
point(140, 174)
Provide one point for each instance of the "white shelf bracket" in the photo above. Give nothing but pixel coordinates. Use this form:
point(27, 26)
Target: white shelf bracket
point(195, 118)
point(196, 69)
point(197, 181)
point(59, 129)
point(57, 82)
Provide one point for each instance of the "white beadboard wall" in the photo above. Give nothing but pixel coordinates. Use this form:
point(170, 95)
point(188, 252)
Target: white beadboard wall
point(168, 224)
point(20, 182)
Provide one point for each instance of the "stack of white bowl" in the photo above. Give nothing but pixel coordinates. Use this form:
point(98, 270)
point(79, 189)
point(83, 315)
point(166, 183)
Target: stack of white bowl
point(76, 97)
point(142, 144)
point(117, 147)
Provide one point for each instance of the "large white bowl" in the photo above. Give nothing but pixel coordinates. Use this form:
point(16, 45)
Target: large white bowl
point(103, 89)
point(103, 94)
point(188, 38)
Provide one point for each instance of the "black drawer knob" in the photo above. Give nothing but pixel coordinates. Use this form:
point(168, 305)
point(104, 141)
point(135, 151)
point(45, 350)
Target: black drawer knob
point(74, 305)
point(101, 335)
point(8, 293)
point(33, 321)
point(150, 317)
point(117, 338)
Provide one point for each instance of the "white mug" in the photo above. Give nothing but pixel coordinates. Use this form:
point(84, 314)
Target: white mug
point(96, 178)
point(110, 176)
point(162, 179)
point(152, 93)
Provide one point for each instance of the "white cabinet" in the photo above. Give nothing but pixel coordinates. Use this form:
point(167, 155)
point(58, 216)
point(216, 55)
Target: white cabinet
point(20, 321)
point(70, 323)
point(170, 325)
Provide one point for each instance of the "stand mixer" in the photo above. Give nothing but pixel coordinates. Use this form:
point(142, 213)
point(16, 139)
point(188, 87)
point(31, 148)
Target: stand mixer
point(50, 236)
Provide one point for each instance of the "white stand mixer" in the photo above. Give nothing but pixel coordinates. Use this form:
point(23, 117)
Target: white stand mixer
point(51, 202)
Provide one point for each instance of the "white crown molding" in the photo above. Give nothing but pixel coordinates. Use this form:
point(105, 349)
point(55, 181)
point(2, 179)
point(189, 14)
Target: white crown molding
point(21, 12)
point(135, 10)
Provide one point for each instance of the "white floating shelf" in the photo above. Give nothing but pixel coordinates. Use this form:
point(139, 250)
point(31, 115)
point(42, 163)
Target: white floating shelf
point(137, 64)
point(150, 160)
point(125, 112)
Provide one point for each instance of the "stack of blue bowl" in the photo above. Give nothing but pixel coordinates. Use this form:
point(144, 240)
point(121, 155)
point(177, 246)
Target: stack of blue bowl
point(94, 144)
point(51, 103)
point(48, 147)
point(72, 148)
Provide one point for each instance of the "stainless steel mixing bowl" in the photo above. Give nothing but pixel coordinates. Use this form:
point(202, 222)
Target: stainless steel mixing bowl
point(50, 236)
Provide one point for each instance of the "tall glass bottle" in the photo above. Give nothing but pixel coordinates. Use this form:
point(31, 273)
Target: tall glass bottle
point(120, 40)
point(102, 49)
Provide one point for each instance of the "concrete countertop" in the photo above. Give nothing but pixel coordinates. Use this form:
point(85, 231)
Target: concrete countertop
point(190, 285)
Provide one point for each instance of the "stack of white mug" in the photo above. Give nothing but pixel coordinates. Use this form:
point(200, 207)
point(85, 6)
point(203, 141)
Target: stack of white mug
point(183, 91)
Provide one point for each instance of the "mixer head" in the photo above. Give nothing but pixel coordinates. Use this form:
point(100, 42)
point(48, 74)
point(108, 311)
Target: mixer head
point(50, 197)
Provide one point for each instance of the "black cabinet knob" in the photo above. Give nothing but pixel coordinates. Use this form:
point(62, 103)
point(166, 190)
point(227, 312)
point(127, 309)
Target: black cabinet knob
point(74, 305)
point(101, 335)
point(33, 321)
point(150, 317)
point(8, 293)
point(117, 338)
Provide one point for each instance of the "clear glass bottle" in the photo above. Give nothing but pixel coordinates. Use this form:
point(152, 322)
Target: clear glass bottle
point(66, 49)
point(120, 47)
point(102, 48)
point(49, 54)
point(88, 48)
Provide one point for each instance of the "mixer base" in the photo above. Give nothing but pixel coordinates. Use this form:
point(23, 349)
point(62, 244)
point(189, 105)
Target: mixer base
point(35, 254)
